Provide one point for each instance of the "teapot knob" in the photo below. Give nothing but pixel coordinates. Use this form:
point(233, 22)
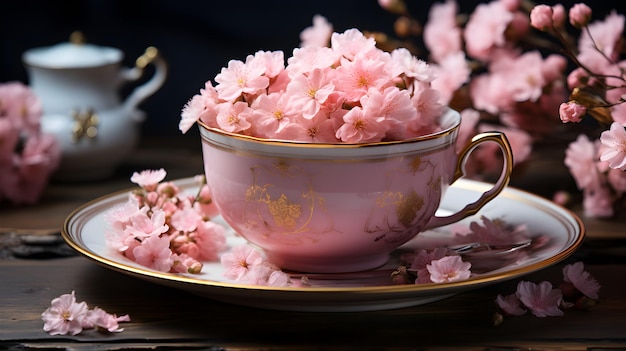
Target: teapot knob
point(77, 38)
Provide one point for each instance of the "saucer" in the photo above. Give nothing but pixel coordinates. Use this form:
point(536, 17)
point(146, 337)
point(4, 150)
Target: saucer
point(363, 291)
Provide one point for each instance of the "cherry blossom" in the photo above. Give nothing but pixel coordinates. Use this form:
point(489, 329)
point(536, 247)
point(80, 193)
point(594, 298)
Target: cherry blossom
point(154, 252)
point(510, 304)
point(148, 178)
point(448, 269)
point(240, 260)
point(28, 156)
point(66, 316)
point(581, 280)
point(163, 228)
point(320, 95)
point(580, 158)
point(442, 35)
point(615, 141)
point(541, 299)
point(317, 35)
point(241, 78)
point(99, 318)
point(485, 29)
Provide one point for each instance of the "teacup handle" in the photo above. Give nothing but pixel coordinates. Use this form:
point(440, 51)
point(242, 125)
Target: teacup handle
point(150, 56)
point(470, 209)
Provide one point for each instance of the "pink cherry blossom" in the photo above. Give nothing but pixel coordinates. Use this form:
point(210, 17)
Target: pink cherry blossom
point(448, 269)
point(200, 107)
point(572, 112)
point(452, 73)
point(404, 63)
point(309, 92)
point(21, 106)
point(211, 241)
point(614, 141)
point(273, 61)
point(267, 274)
point(241, 78)
point(355, 78)
point(582, 280)
point(601, 40)
point(317, 35)
point(580, 158)
point(352, 42)
point(360, 126)
point(272, 114)
point(510, 304)
point(186, 219)
point(598, 201)
point(143, 224)
point(148, 178)
point(485, 29)
point(422, 258)
point(154, 252)
point(442, 35)
point(309, 58)
point(64, 316)
point(579, 15)
point(541, 299)
point(240, 260)
point(99, 318)
point(233, 117)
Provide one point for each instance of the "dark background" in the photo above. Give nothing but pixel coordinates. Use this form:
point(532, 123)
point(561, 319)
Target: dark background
point(197, 38)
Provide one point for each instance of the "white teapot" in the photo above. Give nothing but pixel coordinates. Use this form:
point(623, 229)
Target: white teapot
point(78, 85)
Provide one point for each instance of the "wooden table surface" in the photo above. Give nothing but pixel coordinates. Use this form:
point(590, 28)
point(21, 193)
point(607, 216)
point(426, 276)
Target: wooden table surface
point(170, 319)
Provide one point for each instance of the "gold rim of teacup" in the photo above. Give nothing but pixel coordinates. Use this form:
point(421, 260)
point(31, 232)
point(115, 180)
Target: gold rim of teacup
point(304, 144)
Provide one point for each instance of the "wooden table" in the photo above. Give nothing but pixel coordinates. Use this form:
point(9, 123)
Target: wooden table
point(171, 319)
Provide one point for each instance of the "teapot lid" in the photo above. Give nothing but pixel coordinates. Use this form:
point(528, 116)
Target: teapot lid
point(73, 54)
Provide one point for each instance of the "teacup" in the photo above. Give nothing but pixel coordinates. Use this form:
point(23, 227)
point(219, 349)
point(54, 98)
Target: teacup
point(330, 208)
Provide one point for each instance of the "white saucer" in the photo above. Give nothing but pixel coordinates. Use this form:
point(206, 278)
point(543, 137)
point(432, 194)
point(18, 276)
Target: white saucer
point(84, 232)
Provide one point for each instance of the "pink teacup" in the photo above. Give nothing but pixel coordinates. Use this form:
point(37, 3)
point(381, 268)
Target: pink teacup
point(338, 207)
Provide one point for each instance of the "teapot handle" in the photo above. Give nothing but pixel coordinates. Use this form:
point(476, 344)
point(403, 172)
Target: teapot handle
point(150, 56)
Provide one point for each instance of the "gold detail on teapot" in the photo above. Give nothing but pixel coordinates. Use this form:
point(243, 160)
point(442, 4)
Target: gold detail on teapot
point(85, 125)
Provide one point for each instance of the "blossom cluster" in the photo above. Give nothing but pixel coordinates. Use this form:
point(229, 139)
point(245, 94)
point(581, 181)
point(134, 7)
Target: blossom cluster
point(347, 92)
point(66, 316)
point(487, 68)
point(28, 156)
point(163, 228)
point(579, 289)
point(506, 65)
point(598, 87)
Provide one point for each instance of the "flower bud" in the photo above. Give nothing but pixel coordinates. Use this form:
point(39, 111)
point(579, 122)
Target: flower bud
point(558, 16)
point(579, 15)
point(541, 17)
